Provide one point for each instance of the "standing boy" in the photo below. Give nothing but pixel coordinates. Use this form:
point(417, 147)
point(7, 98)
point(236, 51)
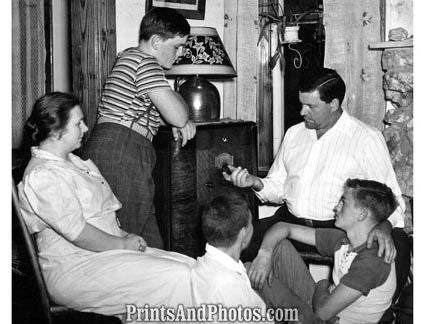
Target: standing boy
point(135, 100)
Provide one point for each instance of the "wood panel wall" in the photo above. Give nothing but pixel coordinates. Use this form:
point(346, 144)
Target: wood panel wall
point(350, 27)
point(240, 40)
point(93, 35)
point(264, 95)
point(249, 95)
point(230, 39)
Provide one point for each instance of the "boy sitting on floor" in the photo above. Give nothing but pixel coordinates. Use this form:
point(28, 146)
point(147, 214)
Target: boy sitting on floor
point(220, 279)
point(363, 284)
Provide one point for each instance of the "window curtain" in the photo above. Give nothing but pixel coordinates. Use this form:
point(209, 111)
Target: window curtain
point(28, 61)
point(350, 27)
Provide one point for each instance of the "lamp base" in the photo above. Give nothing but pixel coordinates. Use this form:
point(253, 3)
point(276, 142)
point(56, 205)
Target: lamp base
point(202, 98)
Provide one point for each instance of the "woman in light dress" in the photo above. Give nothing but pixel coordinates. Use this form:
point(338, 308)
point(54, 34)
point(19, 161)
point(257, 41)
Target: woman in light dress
point(88, 262)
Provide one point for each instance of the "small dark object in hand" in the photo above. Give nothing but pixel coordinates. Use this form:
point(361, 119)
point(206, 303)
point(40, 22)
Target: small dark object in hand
point(225, 168)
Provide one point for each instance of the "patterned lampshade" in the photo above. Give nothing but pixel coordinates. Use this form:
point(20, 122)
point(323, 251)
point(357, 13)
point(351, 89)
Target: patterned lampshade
point(204, 54)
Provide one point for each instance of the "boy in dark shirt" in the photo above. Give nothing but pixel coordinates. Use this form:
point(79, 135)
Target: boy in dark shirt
point(363, 284)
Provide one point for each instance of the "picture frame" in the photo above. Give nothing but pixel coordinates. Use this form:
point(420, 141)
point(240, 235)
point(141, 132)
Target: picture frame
point(190, 9)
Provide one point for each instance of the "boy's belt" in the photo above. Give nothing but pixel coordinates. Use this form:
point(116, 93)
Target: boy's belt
point(127, 123)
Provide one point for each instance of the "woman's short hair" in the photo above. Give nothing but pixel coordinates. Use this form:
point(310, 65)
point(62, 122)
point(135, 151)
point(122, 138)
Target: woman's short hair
point(165, 22)
point(50, 113)
point(327, 82)
point(223, 219)
point(375, 196)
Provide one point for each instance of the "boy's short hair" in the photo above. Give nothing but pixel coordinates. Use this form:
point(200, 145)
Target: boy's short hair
point(327, 82)
point(223, 218)
point(375, 196)
point(165, 22)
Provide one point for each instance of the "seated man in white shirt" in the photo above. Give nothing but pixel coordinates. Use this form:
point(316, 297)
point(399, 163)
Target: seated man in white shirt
point(363, 284)
point(315, 159)
point(219, 278)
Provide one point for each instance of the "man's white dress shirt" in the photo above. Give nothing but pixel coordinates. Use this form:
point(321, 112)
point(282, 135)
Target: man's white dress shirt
point(309, 173)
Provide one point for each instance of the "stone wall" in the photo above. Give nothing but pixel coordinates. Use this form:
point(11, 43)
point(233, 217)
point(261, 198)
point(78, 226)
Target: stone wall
point(397, 64)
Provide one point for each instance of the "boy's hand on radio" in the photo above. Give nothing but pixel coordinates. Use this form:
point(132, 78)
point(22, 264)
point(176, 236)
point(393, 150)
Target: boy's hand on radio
point(186, 133)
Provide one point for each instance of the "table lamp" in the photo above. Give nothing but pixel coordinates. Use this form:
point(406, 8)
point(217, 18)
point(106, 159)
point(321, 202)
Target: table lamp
point(203, 55)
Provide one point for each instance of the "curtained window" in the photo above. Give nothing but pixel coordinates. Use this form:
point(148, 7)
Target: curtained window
point(28, 61)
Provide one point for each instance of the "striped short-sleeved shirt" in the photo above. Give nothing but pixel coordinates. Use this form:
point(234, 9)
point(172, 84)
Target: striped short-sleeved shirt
point(125, 94)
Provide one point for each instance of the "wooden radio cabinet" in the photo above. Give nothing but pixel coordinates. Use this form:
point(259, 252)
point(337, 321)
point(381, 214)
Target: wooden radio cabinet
point(187, 178)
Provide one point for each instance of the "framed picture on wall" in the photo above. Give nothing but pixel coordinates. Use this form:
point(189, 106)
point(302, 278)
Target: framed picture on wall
point(191, 9)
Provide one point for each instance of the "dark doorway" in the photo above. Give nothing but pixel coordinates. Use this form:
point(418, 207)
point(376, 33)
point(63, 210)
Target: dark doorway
point(305, 55)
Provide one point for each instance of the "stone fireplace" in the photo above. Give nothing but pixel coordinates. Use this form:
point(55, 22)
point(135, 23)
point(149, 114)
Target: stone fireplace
point(397, 63)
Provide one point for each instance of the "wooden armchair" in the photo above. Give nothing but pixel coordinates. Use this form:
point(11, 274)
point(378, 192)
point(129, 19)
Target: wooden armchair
point(51, 313)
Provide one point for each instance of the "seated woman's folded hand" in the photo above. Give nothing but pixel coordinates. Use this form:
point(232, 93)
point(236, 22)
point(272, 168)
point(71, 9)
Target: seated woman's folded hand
point(134, 242)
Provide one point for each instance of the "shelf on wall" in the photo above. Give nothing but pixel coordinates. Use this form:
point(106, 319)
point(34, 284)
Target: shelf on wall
point(392, 44)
